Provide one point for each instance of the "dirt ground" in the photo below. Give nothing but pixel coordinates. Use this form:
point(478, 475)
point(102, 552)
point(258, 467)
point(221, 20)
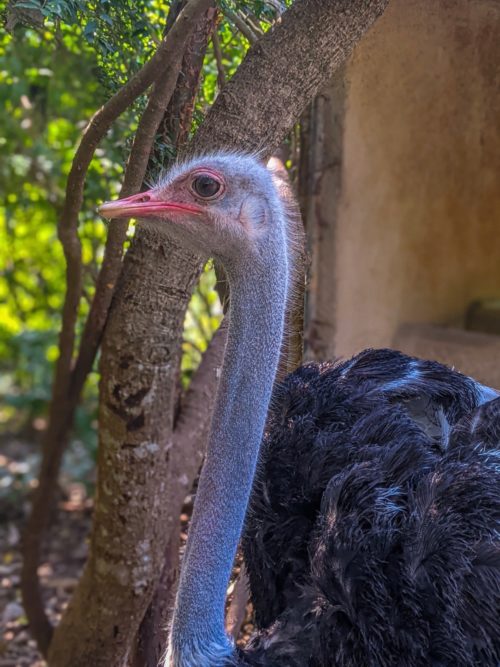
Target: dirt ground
point(63, 559)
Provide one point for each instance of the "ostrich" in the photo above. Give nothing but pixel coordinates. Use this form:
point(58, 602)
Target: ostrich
point(368, 505)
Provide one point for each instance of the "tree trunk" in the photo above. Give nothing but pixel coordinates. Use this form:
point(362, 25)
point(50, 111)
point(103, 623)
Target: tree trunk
point(141, 346)
point(174, 131)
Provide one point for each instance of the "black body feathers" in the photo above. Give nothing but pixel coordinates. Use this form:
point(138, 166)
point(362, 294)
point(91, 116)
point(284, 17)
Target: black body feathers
point(373, 534)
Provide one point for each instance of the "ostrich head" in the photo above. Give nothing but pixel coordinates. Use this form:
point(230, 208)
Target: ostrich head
point(226, 206)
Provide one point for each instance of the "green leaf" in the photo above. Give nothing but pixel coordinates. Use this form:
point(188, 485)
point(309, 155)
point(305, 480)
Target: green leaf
point(89, 31)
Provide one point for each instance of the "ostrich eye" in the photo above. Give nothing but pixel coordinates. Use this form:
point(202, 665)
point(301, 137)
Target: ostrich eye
point(205, 186)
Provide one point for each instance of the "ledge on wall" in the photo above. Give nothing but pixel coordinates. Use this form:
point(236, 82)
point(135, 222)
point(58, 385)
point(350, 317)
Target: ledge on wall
point(475, 354)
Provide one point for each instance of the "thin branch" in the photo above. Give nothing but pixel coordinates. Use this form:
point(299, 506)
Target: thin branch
point(222, 286)
point(177, 122)
point(221, 75)
point(252, 22)
point(67, 386)
point(292, 348)
point(242, 25)
point(169, 48)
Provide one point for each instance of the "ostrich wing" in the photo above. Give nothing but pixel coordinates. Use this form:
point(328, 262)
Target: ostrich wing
point(375, 511)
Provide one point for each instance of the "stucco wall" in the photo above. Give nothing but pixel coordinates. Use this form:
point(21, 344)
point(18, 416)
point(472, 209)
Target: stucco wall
point(417, 230)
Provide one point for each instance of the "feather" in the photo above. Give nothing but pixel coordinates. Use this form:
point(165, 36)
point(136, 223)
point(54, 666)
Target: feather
point(373, 534)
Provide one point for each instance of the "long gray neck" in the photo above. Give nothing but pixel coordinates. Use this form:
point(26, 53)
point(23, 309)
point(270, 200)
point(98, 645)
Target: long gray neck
point(258, 296)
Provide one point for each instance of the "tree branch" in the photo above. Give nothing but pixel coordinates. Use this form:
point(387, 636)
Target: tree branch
point(176, 125)
point(196, 409)
point(189, 441)
point(221, 75)
point(68, 384)
point(175, 131)
point(242, 25)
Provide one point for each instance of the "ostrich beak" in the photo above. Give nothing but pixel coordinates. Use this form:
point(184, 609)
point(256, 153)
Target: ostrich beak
point(144, 205)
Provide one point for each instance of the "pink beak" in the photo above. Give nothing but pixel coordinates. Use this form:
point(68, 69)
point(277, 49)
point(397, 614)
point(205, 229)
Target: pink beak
point(143, 205)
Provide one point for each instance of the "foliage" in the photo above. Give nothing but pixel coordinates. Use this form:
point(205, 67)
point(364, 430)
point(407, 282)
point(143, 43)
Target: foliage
point(61, 61)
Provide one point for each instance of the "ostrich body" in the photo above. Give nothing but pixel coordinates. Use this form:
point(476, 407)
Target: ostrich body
point(372, 532)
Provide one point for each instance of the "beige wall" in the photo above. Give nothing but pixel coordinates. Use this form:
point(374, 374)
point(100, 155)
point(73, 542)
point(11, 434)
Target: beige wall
point(416, 235)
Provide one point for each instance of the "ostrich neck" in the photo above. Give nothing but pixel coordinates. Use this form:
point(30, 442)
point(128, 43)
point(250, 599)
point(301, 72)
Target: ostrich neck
point(258, 296)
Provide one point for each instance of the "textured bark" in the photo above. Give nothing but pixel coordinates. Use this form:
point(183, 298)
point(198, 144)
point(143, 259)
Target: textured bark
point(141, 354)
point(189, 440)
point(176, 125)
point(141, 345)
